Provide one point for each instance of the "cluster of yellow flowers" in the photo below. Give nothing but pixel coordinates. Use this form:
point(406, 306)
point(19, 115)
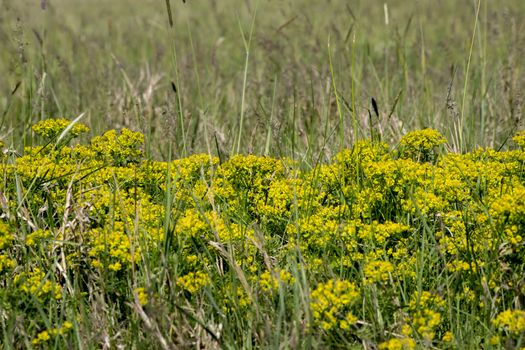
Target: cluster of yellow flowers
point(272, 281)
point(331, 303)
point(112, 246)
point(37, 284)
point(142, 295)
point(368, 221)
point(120, 149)
point(193, 281)
point(50, 128)
point(512, 320)
point(421, 143)
point(398, 344)
point(511, 324)
point(422, 320)
point(6, 238)
point(46, 335)
point(378, 271)
point(425, 314)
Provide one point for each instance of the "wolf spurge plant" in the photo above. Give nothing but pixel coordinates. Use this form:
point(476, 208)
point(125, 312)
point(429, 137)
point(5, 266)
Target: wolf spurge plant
point(405, 247)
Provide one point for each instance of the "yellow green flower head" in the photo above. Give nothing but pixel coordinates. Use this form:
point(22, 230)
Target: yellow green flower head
point(381, 233)
point(50, 128)
point(6, 236)
point(37, 237)
point(121, 148)
point(425, 299)
point(6, 263)
point(46, 335)
point(35, 283)
point(519, 138)
point(448, 337)
point(330, 301)
point(111, 247)
point(424, 316)
point(42, 337)
point(423, 140)
point(511, 320)
point(142, 295)
point(398, 344)
point(192, 224)
point(271, 281)
point(377, 271)
point(193, 281)
point(508, 213)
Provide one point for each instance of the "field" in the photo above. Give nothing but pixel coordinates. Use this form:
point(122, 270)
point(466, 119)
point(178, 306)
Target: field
point(262, 174)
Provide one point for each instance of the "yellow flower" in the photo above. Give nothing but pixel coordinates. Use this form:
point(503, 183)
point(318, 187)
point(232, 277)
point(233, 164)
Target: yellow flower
point(142, 295)
point(271, 281)
point(6, 236)
point(511, 320)
point(121, 149)
point(495, 340)
point(420, 144)
point(398, 344)
point(36, 284)
point(519, 138)
point(378, 271)
point(423, 317)
point(51, 128)
point(46, 335)
point(37, 237)
point(448, 337)
point(193, 281)
point(6, 263)
point(330, 301)
point(113, 246)
point(41, 338)
point(423, 140)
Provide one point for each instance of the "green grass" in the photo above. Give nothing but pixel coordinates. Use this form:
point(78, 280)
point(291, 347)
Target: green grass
point(117, 62)
point(293, 81)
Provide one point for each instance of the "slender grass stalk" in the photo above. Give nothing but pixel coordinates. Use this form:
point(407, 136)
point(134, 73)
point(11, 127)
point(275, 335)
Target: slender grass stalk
point(270, 121)
point(337, 102)
point(199, 94)
point(168, 201)
point(66, 131)
point(482, 45)
point(177, 85)
point(353, 91)
point(424, 113)
point(465, 86)
point(247, 48)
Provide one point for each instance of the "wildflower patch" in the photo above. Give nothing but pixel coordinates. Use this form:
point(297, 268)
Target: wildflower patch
point(388, 246)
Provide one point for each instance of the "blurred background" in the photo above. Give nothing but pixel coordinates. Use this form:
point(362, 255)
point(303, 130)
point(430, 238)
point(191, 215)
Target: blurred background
point(283, 78)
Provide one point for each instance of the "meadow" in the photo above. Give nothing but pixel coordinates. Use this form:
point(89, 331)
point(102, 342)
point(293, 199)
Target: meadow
point(262, 174)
